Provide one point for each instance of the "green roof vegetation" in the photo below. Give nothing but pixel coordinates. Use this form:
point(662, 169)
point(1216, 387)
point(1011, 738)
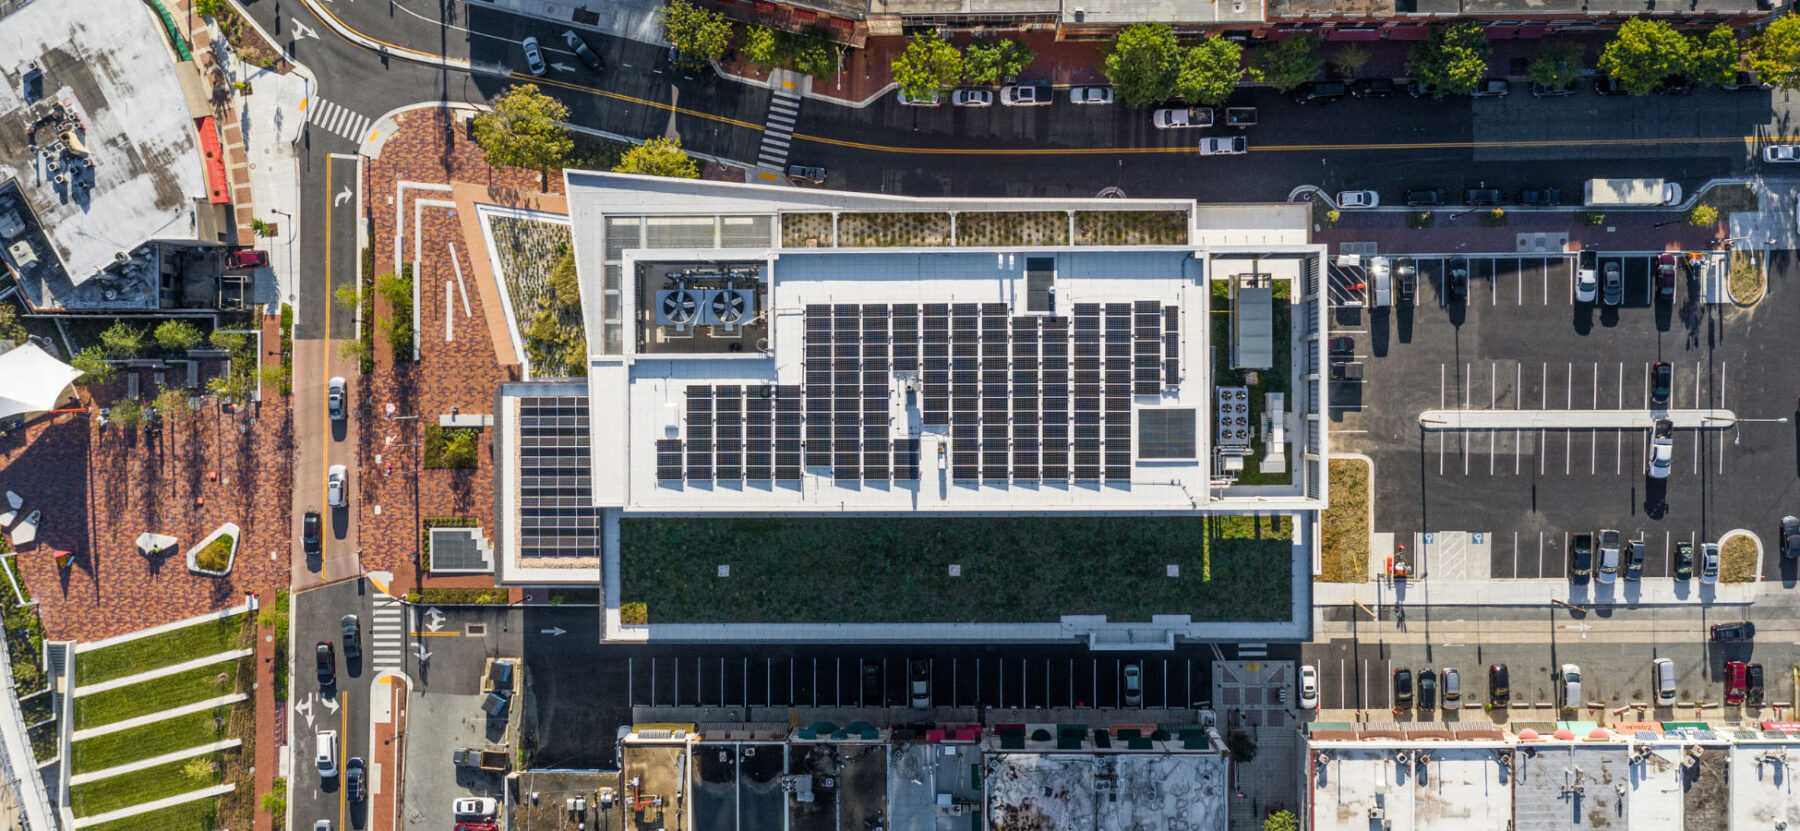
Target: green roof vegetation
point(885, 569)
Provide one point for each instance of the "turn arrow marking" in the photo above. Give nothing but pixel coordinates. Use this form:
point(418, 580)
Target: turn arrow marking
point(342, 197)
point(303, 31)
point(330, 704)
point(562, 67)
point(554, 631)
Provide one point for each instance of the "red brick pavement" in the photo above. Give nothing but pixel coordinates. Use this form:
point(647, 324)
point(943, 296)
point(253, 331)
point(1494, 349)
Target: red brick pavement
point(463, 373)
point(100, 487)
point(268, 752)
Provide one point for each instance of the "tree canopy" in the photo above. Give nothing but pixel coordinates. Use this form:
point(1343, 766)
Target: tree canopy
point(1715, 56)
point(701, 35)
point(1142, 63)
point(758, 46)
point(1288, 64)
point(525, 130)
point(927, 65)
point(659, 157)
point(1557, 66)
point(987, 61)
point(1643, 52)
point(1776, 56)
point(1210, 71)
point(1452, 60)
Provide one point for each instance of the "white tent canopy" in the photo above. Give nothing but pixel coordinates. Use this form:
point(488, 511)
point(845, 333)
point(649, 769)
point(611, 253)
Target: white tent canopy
point(31, 381)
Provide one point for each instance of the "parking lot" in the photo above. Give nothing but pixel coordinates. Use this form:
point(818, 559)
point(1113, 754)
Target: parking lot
point(1357, 673)
point(1025, 678)
point(1522, 341)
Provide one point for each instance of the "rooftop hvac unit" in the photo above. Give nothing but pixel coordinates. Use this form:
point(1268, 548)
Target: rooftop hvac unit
point(731, 307)
point(1377, 812)
point(679, 308)
point(1402, 756)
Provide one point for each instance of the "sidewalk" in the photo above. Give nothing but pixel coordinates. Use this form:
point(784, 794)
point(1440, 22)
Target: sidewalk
point(1440, 592)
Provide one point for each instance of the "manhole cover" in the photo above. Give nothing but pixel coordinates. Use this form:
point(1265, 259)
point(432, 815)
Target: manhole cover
point(475, 630)
point(1114, 192)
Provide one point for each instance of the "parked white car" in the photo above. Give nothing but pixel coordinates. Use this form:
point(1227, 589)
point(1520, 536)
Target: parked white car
point(1091, 95)
point(474, 806)
point(909, 101)
point(1026, 95)
point(337, 483)
point(1568, 688)
point(1779, 153)
point(1709, 562)
point(971, 97)
point(1356, 200)
point(1309, 688)
point(326, 755)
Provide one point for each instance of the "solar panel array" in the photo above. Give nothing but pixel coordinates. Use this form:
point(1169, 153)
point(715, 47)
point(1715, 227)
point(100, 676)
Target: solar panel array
point(1030, 398)
point(556, 515)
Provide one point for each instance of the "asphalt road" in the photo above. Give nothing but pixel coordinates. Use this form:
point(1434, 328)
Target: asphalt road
point(1389, 144)
point(343, 706)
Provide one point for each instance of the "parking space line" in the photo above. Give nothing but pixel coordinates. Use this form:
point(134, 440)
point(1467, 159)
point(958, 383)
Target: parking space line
point(1442, 404)
point(1440, 452)
point(1540, 570)
point(1722, 368)
point(1618, 452)
point(1668, 555)
point(1646, 385)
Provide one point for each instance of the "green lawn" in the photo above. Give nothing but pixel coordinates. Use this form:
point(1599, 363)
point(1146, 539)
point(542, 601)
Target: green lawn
point(142, 786)
point(160, 650)
point(199, 815)
point(145, 741)
point(878, 569)
point(165, 693)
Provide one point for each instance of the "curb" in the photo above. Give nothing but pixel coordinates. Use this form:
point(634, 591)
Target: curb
point(1754, 539)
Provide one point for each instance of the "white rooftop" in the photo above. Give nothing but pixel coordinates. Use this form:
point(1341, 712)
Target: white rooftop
point(1763, 793)
point(1458, 789)
point(108, 62)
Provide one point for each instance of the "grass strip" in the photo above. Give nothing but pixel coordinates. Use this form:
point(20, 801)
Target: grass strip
point(160, 650)
point(199, 815)
point(1737, 560)
point(155, 695)
point(147, 785)
point(885, 569)
point(153, 739)
point(1344, 549)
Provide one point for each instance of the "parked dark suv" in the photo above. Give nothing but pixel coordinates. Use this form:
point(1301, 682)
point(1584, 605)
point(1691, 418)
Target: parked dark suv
point(1729, 632)
point(1424, 198)
point(309, 533)
point(1492, 88)
point(1456, 280)
point(1483, 196)
point(1499, 686)
point(1319, 92)
point(1540, 197)
point(1542, 91)
point(1372, 87)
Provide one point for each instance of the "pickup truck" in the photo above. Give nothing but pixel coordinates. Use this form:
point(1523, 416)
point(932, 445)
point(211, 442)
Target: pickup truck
point(1581, 558)
point(467, 757)
point(1175, 118)
point(1224, 146)
point(1662, 449)
point(1609, 555)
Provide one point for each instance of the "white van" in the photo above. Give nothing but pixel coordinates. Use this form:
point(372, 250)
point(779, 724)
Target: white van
point(327, 755)
point(1663, 671)
point(1569, 688)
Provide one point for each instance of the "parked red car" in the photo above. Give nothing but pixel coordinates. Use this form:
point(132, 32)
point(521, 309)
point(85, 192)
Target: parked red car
point(1734, 682)
point(246, 259)
point(476, 826)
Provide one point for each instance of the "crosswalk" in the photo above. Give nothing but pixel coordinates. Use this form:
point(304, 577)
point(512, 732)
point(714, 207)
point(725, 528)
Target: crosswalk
point(778, 127)
point(338, 120)
point(387, 634)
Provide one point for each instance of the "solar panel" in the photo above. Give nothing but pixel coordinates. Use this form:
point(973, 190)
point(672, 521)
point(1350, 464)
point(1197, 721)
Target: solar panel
point(699, 460)
point(906, 459)
point(668, 459)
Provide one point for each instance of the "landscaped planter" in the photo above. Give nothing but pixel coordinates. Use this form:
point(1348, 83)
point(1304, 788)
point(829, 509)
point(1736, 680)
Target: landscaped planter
point(230, 534)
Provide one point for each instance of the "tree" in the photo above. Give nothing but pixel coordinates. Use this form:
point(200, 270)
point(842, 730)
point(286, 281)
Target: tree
point(177, 335)
point(1349, 60)
point(122, 340)
point(700, 35)
point(1702, 216)
point(812, 53)
point(758, 46)
point(127, 412)
point(987, 61)
point(659, 157)
point(927, 65)
point(9, 324)
point(1142, 62)
point(1715, 56)
point(1643, 52)
point(525, 130)
point(1210, 71)
point(172, 402)
point(1281, 821)
point(93, 366)
point(1452, 60)
point(1288, 64)
point(1557, 66)
point(228, 341)
point(198, 769)
point(347, 296)
point(1243, 748)
point(1776, 55)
